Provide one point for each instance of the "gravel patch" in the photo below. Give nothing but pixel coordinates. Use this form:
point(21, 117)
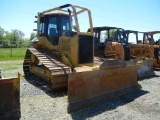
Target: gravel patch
point(38, 102)
point(140, 105)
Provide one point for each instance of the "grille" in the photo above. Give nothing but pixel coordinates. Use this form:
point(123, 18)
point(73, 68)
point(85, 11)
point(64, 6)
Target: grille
point(85, 49)
point(127, 54)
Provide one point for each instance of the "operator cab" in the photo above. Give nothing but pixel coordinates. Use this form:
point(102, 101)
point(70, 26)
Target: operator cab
point(104, 35)
point(148, 38)
point(54, 26)
point(129, 37)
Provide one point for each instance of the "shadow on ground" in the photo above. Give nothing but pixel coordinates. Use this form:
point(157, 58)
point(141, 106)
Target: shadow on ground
point(46, 87)
point(92, 111)
point(108, 105)
point(148, 78)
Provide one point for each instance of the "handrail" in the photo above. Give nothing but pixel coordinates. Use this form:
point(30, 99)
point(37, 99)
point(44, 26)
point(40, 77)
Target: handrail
point(74, 14)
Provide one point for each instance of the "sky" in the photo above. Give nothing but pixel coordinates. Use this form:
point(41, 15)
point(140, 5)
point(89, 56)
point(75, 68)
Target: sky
point(140, 15)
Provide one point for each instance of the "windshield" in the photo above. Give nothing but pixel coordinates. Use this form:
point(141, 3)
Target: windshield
point(64, 23)
point(52, 26)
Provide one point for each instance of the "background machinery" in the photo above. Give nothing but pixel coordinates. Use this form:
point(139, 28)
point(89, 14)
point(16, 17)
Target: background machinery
point(65, 58)
point(153, 46)
point(150, 37)
point(117, 45)
point(147, 49)
point(107, 43)
point(139, 52)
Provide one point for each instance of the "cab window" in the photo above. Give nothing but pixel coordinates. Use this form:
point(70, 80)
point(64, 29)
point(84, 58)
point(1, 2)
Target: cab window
point(65, 23)
point(52, 30)
point(41, 32)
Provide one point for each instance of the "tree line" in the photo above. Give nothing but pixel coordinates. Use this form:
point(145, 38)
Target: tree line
point(14, 39)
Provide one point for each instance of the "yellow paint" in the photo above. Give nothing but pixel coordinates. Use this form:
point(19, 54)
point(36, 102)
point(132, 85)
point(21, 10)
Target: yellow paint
point(21, 76)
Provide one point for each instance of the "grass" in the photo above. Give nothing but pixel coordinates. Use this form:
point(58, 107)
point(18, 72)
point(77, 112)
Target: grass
point(10, 68)
point(11, 64)
point(17, 53)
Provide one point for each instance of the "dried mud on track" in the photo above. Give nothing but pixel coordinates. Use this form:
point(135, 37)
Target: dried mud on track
point(38, 102)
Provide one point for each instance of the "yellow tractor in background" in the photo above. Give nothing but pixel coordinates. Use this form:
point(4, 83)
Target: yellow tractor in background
point(151, 39)
point(103, 37)
point(147, 49)
point(153, 46)
point(65, 58)
point(141, 53)
point(113, 43)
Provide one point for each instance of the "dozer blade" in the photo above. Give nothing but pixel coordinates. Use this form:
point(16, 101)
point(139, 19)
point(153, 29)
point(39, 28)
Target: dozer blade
point(156, 64)
point(145, 68)
point(87, 88)
point(10, 97)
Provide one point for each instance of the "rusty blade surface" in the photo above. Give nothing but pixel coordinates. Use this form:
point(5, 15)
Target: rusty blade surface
point(156, 63)
point(87, 88)
point(10, 97)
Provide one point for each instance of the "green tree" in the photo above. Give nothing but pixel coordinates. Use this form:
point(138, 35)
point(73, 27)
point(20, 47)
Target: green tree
point(1, 34)
point(17, 37)
point(26, 42)
point(5, 43)
point(14, 38)
point(32, 36)
point(111, 34)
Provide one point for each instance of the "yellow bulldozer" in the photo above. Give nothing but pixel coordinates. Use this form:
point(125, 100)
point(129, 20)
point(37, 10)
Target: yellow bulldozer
point(153, 46)
point(114, 43)
point(139, 51)
point(64, 57)
point(103, 36)
point(146, 49)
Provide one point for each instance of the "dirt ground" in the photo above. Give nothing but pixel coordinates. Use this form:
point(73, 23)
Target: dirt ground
point(38, 102)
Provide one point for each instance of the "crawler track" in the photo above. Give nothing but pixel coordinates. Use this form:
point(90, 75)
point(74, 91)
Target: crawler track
point(57, 71)
point(47, 58)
